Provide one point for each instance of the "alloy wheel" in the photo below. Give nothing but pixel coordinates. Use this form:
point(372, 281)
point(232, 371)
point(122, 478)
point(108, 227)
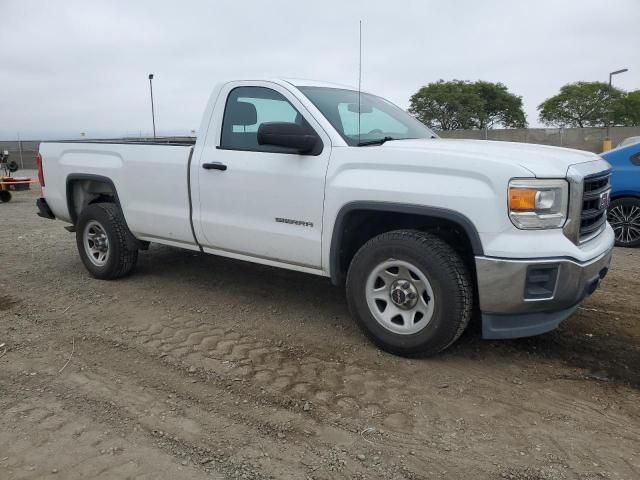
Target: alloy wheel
point(625, 221)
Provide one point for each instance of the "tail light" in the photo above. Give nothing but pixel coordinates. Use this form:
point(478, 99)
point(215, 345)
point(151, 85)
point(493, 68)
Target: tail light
point(40, 171)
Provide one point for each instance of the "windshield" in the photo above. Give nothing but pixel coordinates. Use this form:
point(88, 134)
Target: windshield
point(379, 119)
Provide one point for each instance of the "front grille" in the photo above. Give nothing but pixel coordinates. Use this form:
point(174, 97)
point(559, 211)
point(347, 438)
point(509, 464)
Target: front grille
point(594, 210)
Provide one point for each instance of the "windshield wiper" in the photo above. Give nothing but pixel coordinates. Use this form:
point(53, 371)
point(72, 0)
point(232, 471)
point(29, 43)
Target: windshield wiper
point(377, 141)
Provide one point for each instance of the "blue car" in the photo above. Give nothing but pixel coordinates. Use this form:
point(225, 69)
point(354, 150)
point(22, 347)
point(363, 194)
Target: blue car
point(624, 211)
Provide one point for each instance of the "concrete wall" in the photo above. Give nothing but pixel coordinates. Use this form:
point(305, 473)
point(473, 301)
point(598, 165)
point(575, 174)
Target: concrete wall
point(579, 138)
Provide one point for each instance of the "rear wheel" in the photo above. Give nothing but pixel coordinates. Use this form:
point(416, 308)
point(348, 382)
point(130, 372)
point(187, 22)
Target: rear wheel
point(104, 242)
point(624, 217)
point(5, 196)
point(410, 292)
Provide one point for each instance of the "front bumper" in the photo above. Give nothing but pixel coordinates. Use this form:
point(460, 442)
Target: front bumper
point(521, 298)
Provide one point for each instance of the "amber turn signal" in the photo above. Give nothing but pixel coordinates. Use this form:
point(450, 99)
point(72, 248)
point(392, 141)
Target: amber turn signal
point(522, 199)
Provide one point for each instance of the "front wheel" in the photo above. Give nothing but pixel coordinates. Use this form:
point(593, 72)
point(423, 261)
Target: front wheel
point(624, 217)
point(104, 242)
point(410, 292)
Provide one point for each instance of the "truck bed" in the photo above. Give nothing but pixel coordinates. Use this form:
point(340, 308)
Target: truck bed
point(150, 178)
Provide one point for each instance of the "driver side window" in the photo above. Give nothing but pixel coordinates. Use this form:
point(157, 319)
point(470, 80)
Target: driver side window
point(246, 109)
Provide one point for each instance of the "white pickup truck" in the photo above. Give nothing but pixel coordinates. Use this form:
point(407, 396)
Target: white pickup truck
point(318, 178)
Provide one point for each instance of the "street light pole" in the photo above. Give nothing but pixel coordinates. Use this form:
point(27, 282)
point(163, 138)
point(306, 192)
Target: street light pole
point(20, 151)
point(153, 115)
point(611, 74)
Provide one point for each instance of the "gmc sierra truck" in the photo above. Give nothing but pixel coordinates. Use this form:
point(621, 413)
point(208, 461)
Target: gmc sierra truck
point(326, 180)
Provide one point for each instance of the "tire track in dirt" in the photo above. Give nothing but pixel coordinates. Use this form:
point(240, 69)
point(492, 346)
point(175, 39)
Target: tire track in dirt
point(437, 435)
point(97, 452)
point(335, 385)
point(203, 421)
point(327, 447)
point(411, 416)
point(131, 394)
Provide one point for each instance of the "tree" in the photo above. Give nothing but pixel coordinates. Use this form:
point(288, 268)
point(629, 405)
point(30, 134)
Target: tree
point(581, 104)
point(445, 105)
point(459, 104)
point(627, 111)
point(499, 107)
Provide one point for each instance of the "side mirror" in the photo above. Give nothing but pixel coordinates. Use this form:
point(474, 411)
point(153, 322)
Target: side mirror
point(288, 135)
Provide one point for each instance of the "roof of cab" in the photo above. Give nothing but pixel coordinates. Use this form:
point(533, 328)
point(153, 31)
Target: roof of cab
point(305, 82)
point(296, 82)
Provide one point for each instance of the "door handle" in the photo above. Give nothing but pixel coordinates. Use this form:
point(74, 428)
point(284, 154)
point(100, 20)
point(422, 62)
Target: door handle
point(214, 166)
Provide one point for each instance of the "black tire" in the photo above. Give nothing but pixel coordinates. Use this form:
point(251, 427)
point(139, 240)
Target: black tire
point(624, 218)
point(5, 196)
point(450, 282)
point(122, 254)
point(12, 166)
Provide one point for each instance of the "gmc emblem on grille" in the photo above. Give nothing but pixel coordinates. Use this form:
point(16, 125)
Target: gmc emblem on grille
point(604, 200)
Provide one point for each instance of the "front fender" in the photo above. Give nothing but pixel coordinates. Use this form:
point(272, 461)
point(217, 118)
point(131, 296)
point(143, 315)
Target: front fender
point(424, 211)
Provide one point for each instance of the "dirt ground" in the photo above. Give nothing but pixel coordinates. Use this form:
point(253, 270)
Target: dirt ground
point(202, 367)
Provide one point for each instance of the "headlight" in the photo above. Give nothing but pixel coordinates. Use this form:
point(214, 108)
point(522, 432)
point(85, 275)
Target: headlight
point(538, 203)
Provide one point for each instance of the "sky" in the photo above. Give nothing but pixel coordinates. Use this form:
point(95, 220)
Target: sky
point(82, 66)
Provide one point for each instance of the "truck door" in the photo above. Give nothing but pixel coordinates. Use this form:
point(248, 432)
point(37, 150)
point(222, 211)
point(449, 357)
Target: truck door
point(260, 200)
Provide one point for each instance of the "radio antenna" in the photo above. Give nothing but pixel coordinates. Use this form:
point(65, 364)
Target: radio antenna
point(359, 77)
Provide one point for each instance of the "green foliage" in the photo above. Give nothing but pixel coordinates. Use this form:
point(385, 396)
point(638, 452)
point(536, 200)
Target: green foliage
point(445, 105)
point(627, 111)
point(499, 107)
point(581, 104)
point(459, 104)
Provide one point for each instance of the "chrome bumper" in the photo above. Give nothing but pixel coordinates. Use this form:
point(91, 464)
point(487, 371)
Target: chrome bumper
point(527, 297)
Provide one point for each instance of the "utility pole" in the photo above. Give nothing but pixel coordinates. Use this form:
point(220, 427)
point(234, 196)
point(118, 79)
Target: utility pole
point(153, 114)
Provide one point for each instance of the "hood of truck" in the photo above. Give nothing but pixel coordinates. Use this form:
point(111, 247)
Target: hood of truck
point(542, 161)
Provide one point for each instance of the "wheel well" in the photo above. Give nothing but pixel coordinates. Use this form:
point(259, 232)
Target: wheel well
point(356, 227)
point(85, 191)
